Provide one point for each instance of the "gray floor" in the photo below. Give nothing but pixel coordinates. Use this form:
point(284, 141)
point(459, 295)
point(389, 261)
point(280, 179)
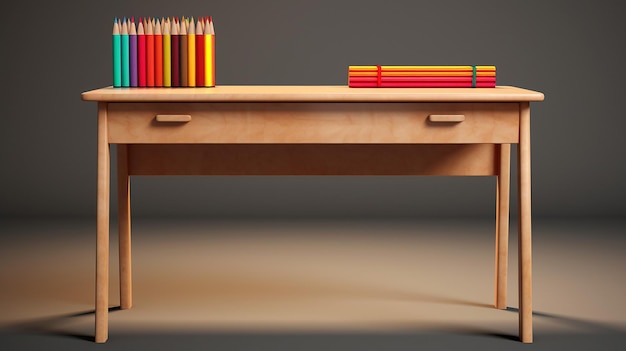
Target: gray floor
point(310, 284)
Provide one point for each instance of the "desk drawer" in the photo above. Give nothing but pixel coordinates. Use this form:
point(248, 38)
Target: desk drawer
point(311, 123)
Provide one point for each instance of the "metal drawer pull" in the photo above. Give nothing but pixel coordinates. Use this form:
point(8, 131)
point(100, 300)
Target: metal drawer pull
point(446, 118)
point(173, 118)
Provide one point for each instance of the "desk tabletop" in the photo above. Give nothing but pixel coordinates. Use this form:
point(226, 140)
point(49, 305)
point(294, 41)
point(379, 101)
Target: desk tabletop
point(302, 93)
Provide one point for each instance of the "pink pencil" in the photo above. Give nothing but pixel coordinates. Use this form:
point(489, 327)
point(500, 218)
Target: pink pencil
point(141, 54)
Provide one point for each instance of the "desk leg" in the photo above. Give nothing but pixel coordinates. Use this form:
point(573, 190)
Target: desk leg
point(123, 205)
point(102, 223)
point(502, 224)
point(524, 230)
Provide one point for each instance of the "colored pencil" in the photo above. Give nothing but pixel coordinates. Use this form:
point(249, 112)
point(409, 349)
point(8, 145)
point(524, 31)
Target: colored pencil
point(158, 54)
point(422, 85)
point(175, 53)
point(167, 54)
point(141, 54)
point(422, 76)
point(132, 47)
point(423, 79)
point(184, 50)
point(191, 54)
point(125, 53)
point(149, 26)
point(209, 48)
point(200, 59)
point(422, 68)
point(117, 55)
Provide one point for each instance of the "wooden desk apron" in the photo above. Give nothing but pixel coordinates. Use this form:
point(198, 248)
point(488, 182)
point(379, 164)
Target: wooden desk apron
point(313, 130)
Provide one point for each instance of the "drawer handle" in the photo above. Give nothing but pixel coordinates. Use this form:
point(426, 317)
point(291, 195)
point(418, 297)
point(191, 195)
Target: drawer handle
point(173, 118)
point(446, 118)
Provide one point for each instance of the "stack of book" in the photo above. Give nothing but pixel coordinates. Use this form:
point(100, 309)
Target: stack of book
point(422, 76)
point(164, 52)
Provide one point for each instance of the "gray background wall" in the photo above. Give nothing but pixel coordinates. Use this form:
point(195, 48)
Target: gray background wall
point(574, 53)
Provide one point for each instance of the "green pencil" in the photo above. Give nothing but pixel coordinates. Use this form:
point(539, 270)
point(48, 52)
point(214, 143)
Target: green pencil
point(117, 55)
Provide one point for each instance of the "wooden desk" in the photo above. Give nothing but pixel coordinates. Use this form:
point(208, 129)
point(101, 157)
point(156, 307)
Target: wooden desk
point(314, 130)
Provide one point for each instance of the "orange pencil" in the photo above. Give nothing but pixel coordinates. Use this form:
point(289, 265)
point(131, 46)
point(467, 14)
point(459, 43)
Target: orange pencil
point(200, 54)
point(149, 53)
point(158, 54)
point(184, 81)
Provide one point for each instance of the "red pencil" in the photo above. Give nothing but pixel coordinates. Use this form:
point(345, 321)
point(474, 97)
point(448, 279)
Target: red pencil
point(158, 55)
point(149, 53)
point(200, 55)
point(141, 54)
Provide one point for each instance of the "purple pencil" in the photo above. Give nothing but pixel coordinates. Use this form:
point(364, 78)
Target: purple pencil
point(132, 36)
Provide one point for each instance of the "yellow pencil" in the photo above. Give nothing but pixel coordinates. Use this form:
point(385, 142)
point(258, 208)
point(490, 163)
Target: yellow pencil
point(209, 57)
point(167, 54)
point(191, 54)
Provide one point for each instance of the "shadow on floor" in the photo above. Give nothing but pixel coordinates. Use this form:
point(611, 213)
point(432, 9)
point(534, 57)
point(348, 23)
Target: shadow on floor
point(583, 324)
point(52, 325)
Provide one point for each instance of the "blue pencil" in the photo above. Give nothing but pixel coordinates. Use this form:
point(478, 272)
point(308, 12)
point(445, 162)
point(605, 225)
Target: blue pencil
point(125, 55)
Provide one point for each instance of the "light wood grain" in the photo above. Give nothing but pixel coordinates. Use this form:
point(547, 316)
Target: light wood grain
point(123, 210)
point(298, 93)
point(173, 118)
point(102, 235)
point(446, 118)
point(338, 123)
point(300, 130)
point(524, 230)
point(502, 224)
point(307, 159)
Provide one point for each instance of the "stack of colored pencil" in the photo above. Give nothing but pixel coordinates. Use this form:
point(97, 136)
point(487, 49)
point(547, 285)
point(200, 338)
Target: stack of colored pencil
point(422, 76)
point(164, 52)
